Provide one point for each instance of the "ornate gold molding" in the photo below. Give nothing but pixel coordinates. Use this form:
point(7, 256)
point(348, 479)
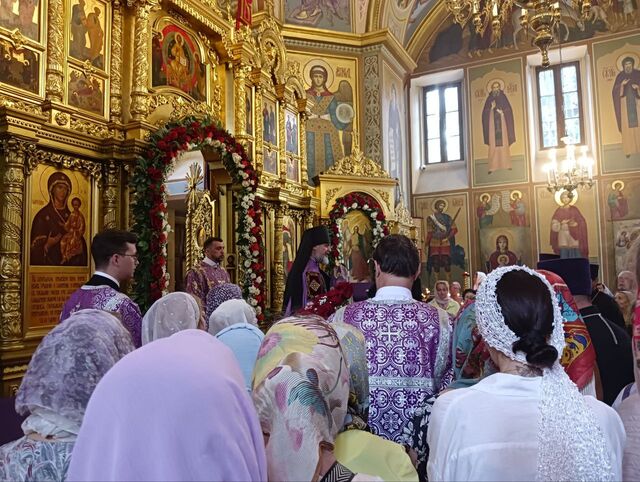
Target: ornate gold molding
point(90, 128)
point(20, 105)
point(55, 54)
point(329, 196)
point(110, 195)
point(15, 369)
point(139, 92)
point(12, 181)
point(115, 103)
point(181, 107)
point(357, 165)
point(385, 197)
point(239, 80)
point(34, 156)
point(277, 277)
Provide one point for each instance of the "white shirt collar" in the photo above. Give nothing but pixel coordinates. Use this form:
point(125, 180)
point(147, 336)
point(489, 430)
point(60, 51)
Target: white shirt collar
point(210, 262)
point(108, 276)
point(397, 293)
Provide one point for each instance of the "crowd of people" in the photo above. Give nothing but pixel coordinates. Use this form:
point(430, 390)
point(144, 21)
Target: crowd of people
point(530, 375)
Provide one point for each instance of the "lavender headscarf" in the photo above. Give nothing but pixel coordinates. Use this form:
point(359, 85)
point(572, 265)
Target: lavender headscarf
point(175, 409)
point(170, 314)
point(65, 369)
point(220, 293)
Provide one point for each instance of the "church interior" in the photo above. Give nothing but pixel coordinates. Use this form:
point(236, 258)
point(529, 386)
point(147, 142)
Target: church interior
point(253, 120)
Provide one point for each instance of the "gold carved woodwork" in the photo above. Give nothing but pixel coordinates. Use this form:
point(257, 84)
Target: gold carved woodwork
point(139, 91)
point(239, 85)
point(358, 165)
point(35, 156)
point(385, 197)
point(20, 105)
point(110, 196)
point(12, 162)
point(55, 54)
point(181, 108)
point(115, 102)
point(277, 277)
point(90, 128)
point(200, 216)
point(330, 195)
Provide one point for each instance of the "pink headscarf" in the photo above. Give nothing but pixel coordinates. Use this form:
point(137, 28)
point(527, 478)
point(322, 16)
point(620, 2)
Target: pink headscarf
point(175, 409)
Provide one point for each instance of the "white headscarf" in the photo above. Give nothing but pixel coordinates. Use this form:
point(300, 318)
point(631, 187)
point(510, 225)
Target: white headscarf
point(168, 315)
point(229, 313)
point(569, 447)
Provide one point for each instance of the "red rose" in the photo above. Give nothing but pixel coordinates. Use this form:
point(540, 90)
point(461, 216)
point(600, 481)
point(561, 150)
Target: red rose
point(380, 216)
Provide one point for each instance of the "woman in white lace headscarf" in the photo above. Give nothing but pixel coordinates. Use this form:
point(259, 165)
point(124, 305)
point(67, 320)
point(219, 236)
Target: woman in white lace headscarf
point(528, 421)
point(170, 314)
point(61, 377)
point(229, 313)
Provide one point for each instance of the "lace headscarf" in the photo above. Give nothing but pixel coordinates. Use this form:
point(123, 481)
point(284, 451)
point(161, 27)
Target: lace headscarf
point(575, 452)
point(170, 314)
point(220, 293)
point(300, 390)
point(65, 369)
point(229, 313)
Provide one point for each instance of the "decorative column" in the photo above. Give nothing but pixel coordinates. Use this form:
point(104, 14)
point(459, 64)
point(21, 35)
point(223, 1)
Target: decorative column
point(55, 54)
point(139, 92)
point(307, 219)
point(239, 83)
point(259, 127)
point(116, 63)
point(110, 196)
point(304, 174)
point(372, 109)
point(12, 185)
point(277, 276)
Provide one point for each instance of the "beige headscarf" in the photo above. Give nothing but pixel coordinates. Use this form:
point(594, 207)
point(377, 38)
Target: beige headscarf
point(170, 314)
point(229, 313)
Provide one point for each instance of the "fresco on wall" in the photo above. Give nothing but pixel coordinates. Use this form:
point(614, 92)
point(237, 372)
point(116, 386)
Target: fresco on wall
point(23, 15)
point(454, 44)
point(504, 227)
point(418, 13)
point(86, 92)
point(622, 210)
point(393, 125)
point(87, 31)
point(617, 75)
point(567, 223)
point(331, 84)
point(20, 67)
point(325, 14)
point(446, 237)
point(176, 62)
point(497, 105)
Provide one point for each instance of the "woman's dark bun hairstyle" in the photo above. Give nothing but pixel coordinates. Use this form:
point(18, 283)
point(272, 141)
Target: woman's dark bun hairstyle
point(528, 311)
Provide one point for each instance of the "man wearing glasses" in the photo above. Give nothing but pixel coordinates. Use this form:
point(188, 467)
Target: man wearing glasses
point(115, 255)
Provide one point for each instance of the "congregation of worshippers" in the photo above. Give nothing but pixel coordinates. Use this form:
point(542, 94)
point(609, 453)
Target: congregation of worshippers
point(531, 374)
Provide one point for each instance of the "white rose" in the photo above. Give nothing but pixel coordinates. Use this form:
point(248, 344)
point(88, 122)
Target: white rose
point(253, 302)
point(247, 263)
point(259, 279)
point(236, 157)
point(366, 206)
point(354, 205)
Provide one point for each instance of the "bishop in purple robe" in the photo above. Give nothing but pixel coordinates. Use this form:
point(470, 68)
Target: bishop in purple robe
point(408, 342)
point(115, 255)
point(306, 279)
point(200, 279)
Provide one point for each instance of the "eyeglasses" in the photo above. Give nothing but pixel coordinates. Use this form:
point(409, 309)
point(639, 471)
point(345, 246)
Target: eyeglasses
point(134, 256)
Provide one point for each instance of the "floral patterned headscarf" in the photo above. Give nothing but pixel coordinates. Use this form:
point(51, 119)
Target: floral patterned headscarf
point(300, 390)
point(220, 293)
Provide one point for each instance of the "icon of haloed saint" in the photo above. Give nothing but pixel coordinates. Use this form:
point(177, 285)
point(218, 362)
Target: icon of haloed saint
point(498, 127)
point(57, 233)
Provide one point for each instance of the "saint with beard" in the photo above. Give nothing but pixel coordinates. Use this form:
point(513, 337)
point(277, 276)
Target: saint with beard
point(498, 128)
point(626, 101)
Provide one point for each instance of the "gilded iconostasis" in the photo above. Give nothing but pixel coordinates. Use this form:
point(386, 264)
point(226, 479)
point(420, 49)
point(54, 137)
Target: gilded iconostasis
point(312, 91)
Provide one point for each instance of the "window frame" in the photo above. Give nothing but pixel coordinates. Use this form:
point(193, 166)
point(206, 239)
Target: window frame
point(557, 89)
point(440, 88)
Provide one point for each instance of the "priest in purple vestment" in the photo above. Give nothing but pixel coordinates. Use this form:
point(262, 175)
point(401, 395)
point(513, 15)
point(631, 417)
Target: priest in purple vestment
point(306, 280)
point(115, 255)
point(408, 342)
point(200, 279)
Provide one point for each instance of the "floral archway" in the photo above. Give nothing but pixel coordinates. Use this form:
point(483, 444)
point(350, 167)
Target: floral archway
point(150, 207)
point(350, 202)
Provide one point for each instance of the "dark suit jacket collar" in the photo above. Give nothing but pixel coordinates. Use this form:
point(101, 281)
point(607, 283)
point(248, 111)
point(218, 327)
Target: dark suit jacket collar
point(97, 280)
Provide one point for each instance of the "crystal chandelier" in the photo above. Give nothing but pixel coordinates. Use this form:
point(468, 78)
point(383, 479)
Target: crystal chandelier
point(541, 16)
point(572, 173)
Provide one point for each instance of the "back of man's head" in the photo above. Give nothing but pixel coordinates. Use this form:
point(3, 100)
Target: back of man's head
point(109, 242)
point(397, 255)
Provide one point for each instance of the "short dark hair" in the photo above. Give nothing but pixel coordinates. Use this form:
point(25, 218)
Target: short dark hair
point(527, 308)
point(211, 239)
point(109, 242)
point(468, 290)
point(396, 254)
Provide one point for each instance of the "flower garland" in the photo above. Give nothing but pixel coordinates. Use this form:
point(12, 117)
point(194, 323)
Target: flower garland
point(150, 207)
point(369, 206)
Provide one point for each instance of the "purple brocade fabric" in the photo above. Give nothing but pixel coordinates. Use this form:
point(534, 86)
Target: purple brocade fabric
point(200, 279)
point(107, 299)
point(408, 356)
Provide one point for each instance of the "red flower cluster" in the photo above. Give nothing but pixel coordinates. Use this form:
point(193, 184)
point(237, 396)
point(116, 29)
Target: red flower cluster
point(327, 304)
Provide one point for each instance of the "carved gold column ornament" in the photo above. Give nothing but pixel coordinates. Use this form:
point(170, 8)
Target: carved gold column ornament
point(12, 184)
point(304, 174)
point(140, 92)
point(259, 126)
point(282, 163)
point(116, 63)
point(110, 195)
point(239, 87)
point(277, 276)
point(54, 88)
